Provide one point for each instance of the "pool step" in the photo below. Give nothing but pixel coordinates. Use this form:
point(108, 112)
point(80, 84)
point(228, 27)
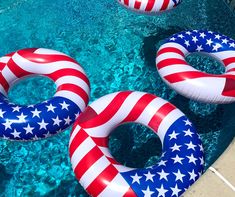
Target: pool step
point(219, 179)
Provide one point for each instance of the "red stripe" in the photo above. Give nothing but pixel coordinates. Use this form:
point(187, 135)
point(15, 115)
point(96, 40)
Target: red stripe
point(229, 61)
point(108, 112)
point(126, 2)
point(102, 181)
point(139, 107)
point(112, 160)
point(68, 72)
point(130, 193)
point(160, 115)
point(230, 70)
point(169, 62)
point(75, 89)
point(87, 161)
point(165, 4)
point(150, 5)
point(43, 58)
point(2, 65)
point(101, 141)
point(88, 114)
point(78, 139)
point(18, 71)
point(4, 82)
point(137, 4)
point(170, 50)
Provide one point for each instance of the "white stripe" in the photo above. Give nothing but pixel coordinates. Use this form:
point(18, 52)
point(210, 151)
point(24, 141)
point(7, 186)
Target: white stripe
point(174, 45)
point(167, 122)
point(72, 97)
point(94, 171)
point(105, 129)
point(143, 5)
point(176, 68)
point(4, 59)
point(9, 75)
point(131, 3)
point(169, 55)
point(82, 150)
point(230, 66)
point(100, 104)
point(158, 5)
point(44, 68)
point(74, 133)
point(106, 151)
point(170, 5)
point(117, 186)
point(222, 178)
point(150, 110)
point(223, 54)
point(122, 168)
point(72, 80)
point(44, 51)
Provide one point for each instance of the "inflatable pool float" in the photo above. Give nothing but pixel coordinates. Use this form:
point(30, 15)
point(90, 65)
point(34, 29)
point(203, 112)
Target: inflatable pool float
point(52, 116)
point(100, 174)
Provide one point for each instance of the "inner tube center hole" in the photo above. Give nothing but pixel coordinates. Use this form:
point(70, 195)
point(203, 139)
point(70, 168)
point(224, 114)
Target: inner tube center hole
point(31, 90)
point(134, 145)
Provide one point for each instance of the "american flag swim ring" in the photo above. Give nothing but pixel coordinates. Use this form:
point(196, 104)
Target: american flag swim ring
point(101, 175)
point(52, 116)
point(192, 83)
point(150, 6)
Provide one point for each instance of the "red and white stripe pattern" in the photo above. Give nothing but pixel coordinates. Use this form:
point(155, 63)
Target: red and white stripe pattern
point(150, 6)
point(69, 77)
point(192, 83)
point(95, 168)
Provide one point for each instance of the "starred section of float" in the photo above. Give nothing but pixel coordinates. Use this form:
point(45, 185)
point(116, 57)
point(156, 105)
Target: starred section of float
point(170, 177)
point(203, 41)
point(35, 121)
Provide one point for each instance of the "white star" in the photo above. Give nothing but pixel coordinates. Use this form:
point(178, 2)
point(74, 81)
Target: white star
point(225, 41)
point(175, 147)
point(163, 175)
point(192, 159)
point(76, 115)
point(57, 121)
point(16, 134)
point(187, 122)
point(36, 113)
point(201, 161)
point(16, 108)
point(209, 42)
point(172, 39)
point(35, 137)
point(21, 117)
point(187, 43)
point(43, 125)
point(136, 178)
point(50, 108)
point(202, 35)
point(1, 113)
point(67, 120)
point(217, 36)
point(201, 147)
point(181, 36)
point(173, 135)
point(177, 159)
point(64, 105)
point(147, 192)
point(179, 176)
point(161, 191)
point(192, 175)
point(216, 47)
point(28, 129)
point(7, 124)
point(232, 44)
point(210, 32)
point(162, 163)
point(199, 48)
point(188, 133)
point(5, 138)
point(188, 32)
point(194, 39)
point(190, 145)
point(175, 190)
point(149, 176)
point(47, 134)
point(195, 30)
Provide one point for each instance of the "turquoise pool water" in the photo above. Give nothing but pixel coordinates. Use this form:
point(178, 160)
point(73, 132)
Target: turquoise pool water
point(117, 49)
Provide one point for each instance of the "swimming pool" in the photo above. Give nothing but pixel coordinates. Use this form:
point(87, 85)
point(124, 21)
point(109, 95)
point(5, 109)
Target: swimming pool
point(117, 49)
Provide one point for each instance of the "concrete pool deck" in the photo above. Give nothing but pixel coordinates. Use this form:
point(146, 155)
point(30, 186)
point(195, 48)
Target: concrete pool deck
point(219, 179)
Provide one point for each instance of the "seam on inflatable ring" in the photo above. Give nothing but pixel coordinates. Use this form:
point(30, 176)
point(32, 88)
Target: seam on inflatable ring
point(222, 178)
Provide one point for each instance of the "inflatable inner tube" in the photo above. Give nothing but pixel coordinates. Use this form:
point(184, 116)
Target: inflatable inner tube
point(52, 116)
point(190, 82)
point(100, 174)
